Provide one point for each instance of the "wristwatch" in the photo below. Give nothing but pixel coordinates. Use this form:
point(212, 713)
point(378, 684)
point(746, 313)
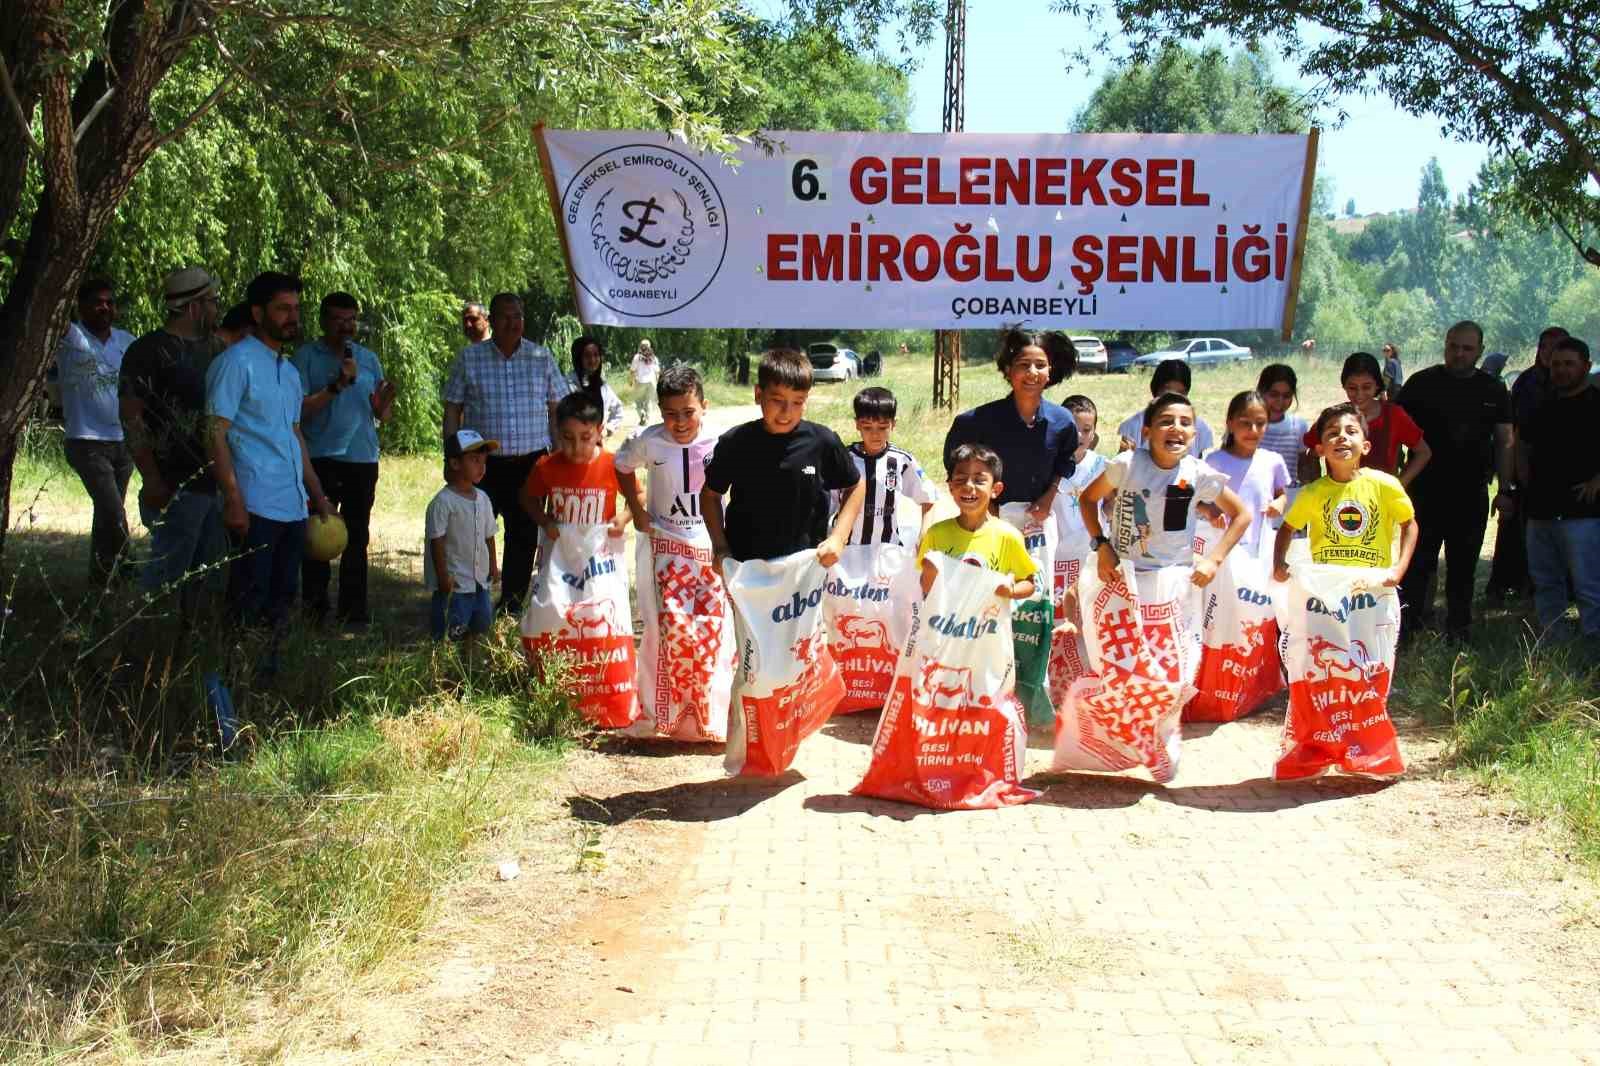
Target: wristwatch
point(1095, 542)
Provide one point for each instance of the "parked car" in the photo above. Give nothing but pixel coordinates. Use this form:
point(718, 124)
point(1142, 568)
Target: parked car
point(829, 362)
point(1202, 351)
point(1120, 357)
point(1091, 354)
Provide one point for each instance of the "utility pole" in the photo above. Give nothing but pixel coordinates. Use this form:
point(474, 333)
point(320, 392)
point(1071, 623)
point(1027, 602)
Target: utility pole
point(947, 342)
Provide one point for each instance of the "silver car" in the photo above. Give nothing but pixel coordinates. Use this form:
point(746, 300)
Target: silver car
point(1091, 354)
point(1202, 351)
point(829, 362)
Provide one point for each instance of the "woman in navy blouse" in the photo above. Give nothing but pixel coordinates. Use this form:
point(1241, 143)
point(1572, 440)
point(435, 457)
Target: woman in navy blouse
point(1034, 438)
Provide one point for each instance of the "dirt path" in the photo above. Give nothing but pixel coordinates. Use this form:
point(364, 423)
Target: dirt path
point(1224, 919)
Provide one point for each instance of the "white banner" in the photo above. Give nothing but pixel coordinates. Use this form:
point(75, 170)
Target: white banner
point(962, 230)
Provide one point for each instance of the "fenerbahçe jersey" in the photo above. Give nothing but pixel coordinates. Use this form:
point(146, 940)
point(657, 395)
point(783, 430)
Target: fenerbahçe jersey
point(893, 477)
point(677, 473)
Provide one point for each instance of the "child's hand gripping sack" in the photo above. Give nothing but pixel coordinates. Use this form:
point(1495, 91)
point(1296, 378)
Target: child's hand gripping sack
point(952, 734)
point(785, 682)
point(579, 606)
point(1033, 620)
point(686, 652)
point(1142, 639)
point(868, 600)
point(1340, 625)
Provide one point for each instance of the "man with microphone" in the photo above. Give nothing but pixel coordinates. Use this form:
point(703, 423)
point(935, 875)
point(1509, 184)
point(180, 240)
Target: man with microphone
point(346, 397)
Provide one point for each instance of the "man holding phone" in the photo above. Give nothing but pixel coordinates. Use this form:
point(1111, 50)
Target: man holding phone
point(346, 398)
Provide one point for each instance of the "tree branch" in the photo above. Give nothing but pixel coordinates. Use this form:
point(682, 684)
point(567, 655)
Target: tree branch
point(94, 113)
point(16, 106)
point(228, 81)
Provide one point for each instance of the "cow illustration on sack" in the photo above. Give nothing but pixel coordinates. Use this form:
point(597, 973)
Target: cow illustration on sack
point(587, 621)
point(1354, 663)
point(945, 688)
point(853, 632)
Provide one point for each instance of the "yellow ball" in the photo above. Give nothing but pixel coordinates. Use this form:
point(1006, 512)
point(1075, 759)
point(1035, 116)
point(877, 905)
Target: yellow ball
point(325, 538)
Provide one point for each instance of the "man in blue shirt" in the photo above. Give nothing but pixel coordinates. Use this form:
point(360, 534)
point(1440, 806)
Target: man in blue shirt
point(253, 396)
point(346, 397)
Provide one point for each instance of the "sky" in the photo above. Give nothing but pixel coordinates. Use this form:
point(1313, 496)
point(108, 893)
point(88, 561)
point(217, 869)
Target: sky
point(1017, 82)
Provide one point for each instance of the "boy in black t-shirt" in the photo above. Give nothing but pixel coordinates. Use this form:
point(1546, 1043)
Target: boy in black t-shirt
point(779, 470)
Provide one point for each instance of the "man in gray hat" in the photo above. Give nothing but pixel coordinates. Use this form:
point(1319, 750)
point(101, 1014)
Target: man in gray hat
point(163, 389)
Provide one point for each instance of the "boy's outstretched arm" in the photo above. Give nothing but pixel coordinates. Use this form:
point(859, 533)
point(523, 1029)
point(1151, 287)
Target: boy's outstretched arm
point(1105, 555)
point(929, 573)
point(1280, 552)
point(628, 482)
point(1409, 532)
point(1239, 519)
point(711, 513)
point(843, 522)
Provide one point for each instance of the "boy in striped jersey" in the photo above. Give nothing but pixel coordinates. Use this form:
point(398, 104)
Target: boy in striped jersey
point(891, 474)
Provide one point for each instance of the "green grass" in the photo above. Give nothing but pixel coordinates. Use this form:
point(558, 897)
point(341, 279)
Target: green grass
point(149, 885)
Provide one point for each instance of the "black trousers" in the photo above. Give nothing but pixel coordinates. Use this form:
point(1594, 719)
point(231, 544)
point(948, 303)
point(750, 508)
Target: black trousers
point(1453, 518)
point(502, 483)
point(352, 487)
point(1509, 574)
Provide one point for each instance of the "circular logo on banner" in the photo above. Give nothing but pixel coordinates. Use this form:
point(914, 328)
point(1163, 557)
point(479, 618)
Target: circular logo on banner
point(1351, 518)
point(648, 228)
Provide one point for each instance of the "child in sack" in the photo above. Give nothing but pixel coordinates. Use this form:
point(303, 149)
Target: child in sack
point(1072, 537)
point(460, 564)
point(975, 536)
point(890, 474)
point(577, 483)
point(673, 452)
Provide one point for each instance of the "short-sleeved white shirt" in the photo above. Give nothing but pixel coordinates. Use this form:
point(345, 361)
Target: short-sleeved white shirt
point(466, 526)
point(1072, 539)
point(645, 371)
point(88, 371)
point(677, 474)
point(1152, 510)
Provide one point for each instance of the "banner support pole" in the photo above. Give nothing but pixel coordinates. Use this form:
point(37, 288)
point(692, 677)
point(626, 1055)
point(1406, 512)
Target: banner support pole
point(1308, 181)
point(555, 216)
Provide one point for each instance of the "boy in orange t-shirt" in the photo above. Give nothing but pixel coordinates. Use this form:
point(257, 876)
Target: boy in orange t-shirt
point(577, 483)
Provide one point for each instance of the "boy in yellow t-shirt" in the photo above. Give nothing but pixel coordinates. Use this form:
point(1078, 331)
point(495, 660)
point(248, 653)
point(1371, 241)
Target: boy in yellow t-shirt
point(1350, 514)
point(975, 536)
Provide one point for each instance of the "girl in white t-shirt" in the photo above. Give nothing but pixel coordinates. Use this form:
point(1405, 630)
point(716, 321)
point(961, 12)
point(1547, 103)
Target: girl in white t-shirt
point(1255, 474)
point(1151, 493)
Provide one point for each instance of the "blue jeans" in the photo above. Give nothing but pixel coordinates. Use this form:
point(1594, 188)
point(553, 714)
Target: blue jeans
point(186, 535)
point(266, 575)
point(1562, 550)
point(467, 612)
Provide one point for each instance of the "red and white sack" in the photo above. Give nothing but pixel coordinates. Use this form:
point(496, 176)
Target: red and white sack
point(1340, 625)
point(1143, 644)
point(952, 735)
point(579, 606)
point(867, 602)
point(785, 682)
point(1239, 662)
point(686, 651)
point(1069, 657)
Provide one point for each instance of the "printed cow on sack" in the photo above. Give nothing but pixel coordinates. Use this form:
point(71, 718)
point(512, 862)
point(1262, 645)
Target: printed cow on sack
point(1143, 643)
point(867, 602)
point(1340, 626)
point(579, 607)
point(786, 683)
point(687, 647)
point(952, 734)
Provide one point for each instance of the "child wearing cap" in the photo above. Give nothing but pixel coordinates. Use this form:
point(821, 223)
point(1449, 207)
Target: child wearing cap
point(460, 565)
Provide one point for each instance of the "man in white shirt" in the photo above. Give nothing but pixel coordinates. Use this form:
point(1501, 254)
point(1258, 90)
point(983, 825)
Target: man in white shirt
point(644, 369)
point(87, 367)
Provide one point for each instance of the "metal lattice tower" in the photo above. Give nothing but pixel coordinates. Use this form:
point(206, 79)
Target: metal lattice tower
point(947, 342)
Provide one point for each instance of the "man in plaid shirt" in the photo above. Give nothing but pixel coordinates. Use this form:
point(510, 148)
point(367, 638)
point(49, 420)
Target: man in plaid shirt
point(507, 388)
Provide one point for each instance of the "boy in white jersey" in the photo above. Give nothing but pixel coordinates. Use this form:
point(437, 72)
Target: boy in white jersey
point(687, 643)
point(891, 474)
point(674, 450)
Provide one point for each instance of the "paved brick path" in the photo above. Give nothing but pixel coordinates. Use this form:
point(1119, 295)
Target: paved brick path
point(1213, 921)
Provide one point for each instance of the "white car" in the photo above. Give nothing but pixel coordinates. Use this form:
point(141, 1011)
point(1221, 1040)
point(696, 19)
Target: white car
point(829, 362)
point(1091, 354)
point(1202, 351)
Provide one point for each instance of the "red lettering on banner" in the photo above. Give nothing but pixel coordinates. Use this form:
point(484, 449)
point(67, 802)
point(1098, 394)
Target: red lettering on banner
point(1160, 183)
